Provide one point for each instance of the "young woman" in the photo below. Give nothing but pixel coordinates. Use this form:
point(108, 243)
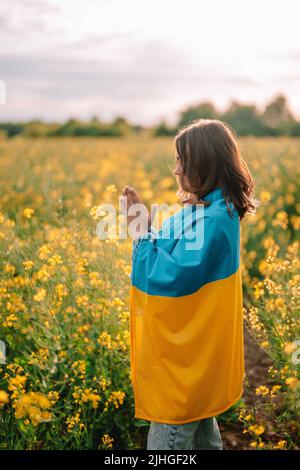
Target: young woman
point(187, 354)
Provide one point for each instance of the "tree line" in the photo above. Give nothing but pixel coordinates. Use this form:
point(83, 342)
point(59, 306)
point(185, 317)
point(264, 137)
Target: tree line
point(276, 119)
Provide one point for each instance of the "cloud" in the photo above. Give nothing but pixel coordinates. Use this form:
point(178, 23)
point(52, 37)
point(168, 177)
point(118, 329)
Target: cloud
point(144, 61)
point(149, 83)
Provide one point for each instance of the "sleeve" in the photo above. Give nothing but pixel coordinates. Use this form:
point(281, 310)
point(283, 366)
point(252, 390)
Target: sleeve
point(162, 266)
point(151, 235)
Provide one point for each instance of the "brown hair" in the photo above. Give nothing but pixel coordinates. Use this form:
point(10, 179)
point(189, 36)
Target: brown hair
point(210, 157)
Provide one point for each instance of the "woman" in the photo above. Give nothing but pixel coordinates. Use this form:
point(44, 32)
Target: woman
point(187, 355)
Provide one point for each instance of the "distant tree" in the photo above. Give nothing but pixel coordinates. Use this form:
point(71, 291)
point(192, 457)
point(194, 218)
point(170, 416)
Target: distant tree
point(205, 110)
point(12, 128)
point(245, 119)
point(163, 130)
point(92, 128)
point(138, 129)
point(36, 129)
point(293, 129)
point(68, 128)
point(95, 120)
point(121, 124)
point(3, 134)
point(277, 115)
point(52, 128)
point(101, 130)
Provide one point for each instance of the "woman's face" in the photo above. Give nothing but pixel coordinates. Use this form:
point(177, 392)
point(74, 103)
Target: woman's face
point(184, 188)
point(178, 167)
point(180, 177)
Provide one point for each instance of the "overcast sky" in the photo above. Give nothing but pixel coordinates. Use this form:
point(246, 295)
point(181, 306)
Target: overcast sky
point(145, 59)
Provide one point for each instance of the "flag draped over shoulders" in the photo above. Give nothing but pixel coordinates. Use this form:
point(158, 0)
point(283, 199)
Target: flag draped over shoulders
point(186, 320)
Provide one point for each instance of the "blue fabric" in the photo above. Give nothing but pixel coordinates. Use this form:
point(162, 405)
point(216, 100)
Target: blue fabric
point(164, 267)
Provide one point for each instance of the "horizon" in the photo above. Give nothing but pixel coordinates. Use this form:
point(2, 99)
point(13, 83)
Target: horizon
point(153, 124)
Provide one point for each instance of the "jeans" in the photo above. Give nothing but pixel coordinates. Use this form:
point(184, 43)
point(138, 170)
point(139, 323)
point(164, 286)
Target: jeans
point(203, 435)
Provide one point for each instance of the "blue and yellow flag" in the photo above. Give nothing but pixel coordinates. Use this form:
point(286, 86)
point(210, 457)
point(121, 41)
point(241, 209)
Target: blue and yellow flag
point(186, 317)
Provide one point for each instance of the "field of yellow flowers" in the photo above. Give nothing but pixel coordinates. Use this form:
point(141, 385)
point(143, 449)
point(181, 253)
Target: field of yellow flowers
point(64, 321)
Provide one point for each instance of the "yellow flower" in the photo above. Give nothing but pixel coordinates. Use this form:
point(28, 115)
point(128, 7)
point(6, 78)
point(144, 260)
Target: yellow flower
point(281, 220)
point(33, 406)
point(257, 429)
point(263, 266)
point(9, 268)
point(291, 381)
point(16, 382)
point(111, 188)
point(147, 194)
point(43, 275)
point(295, 280)
point(4, 398)
point(72, 421)
point(88, 395)
point(98, 211)
point(53, 397)
point(274, 390)
point(289, 348)
point(265, 196)
point(259, 291)
point(27, 265)
point(290, 199)
point(262, 390)
point(117, 398)
point(107, 441)
point(105, 340)
point(82, 300)
point(117, 301)
point(27, 212)
point(10, 320)
point(279, 302)
point(103, 382)
point(79, 368)
point(40, 295)
point(280, 445)
point(43, 252)
point(166, 182)
point(54, 260)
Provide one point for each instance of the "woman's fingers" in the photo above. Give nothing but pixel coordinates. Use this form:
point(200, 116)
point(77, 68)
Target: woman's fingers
point(150, 216)
point(133, 197)
point(125, 190)
point(130, 197)
point(136, 196)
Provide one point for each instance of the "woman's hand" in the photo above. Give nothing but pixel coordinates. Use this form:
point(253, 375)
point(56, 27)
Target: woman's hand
point(140, 211)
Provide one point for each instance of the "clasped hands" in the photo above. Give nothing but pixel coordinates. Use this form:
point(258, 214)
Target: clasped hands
point(138, 217)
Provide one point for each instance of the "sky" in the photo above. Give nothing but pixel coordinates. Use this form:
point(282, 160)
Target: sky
point(145, 60)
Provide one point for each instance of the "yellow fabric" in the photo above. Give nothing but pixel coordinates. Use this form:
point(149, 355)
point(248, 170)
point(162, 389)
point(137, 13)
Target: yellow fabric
point(187, 353)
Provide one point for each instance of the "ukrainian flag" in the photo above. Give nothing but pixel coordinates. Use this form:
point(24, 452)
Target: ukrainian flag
point(186, 317)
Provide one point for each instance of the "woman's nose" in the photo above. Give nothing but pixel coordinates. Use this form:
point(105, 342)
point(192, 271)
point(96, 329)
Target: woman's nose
point(176, 170)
